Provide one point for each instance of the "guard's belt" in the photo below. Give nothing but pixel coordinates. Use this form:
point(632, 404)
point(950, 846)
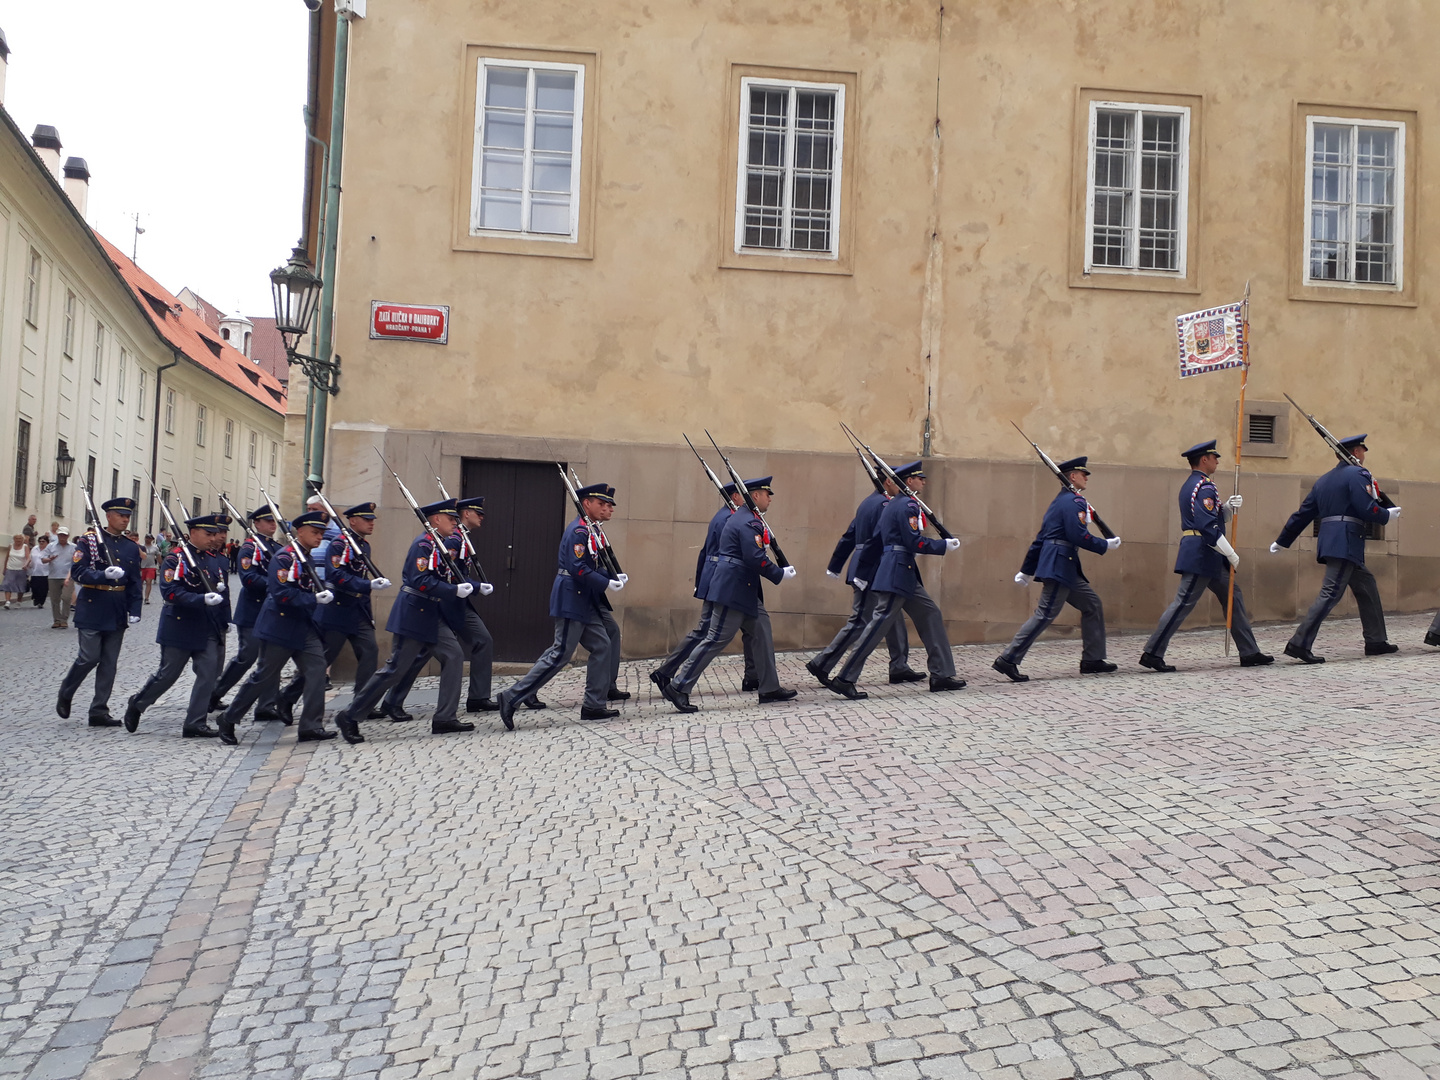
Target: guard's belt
point(1342, 517)
point(1062, 543)
point(105, 588)
point(1191, 532)
point(417, 592)
point(563, 572)
point(898, 547)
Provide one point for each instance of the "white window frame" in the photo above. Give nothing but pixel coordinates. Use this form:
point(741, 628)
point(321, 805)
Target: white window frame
point(140, 395)
point(274, 457)
point(200, 416)
point(1398, 126)
point(169, 411)
point(254, 449)
point(1182, 196)
point(747, 83)
point(122, 373)
point(100, 335)
point(67, 333)
point(34, 271)
point(229, 437)
point(528, 154)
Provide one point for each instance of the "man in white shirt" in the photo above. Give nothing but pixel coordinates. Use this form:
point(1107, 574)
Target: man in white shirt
point(58, 558)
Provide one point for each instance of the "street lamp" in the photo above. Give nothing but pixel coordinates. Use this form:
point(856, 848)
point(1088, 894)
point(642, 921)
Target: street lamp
point(296, 289)
point(64, 465)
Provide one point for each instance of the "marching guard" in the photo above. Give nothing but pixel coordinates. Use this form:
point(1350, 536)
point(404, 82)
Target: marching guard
point(254, 558)
point(1054, 560)
point(193, 624)
point(108, 598)
point(1201, 563)
point(1343, 500)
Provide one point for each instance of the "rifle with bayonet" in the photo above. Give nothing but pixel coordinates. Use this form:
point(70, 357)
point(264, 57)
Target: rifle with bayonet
point(1065, 482)
point(724, 497)
point(435, 538)
point(1341, 452)
point(187, 553)
point(780, 559)
point(283, 528)
point(890, 474)
point(95, 528)
point(473, 559)
point(871, 471)
point(352, 541)
point(251, 533)
point(598, 539)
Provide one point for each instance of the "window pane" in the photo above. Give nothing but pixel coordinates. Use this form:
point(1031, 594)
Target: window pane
point(505, 87)
point(500, 212)
point(552, 173)
point(504, 129)
point(555, 91)
point(1113, 202)
point(555, 132)
point(502, 170)
point(549, 215)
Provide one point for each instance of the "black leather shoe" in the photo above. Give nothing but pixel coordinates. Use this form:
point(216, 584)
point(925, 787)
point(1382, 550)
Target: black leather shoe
point(816, 670)
point(616, 694)
point(534, 703)
point(1380, 648)
point(227, 732)
point(908, 675)
point(587, 713)
point(783, 694)
point(1256, 659)
point(1155, 663)
point(1432, 638)
point(660, 679)
point(315, 736)
point(62, 708)
point(132, 715)
point(398, 715)
point(481, 704)
point(507, 712)
point(1009, 669)
point(348, 728)
point(201, 730)
point(1097, 667)
point(945, 682)
point(103, 719)
point(679, 700)
point(284, 712)
point(377, 713)
point(746, 685)
point(272, 716)
point(847, 689)
point(450, 727)
point(1305, 656)
point(215, 705)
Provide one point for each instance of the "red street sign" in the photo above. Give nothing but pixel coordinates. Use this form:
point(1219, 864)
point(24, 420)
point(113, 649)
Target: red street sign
point(410, 322)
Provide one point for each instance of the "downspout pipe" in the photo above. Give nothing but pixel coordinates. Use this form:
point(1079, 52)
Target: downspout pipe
point(155, 441)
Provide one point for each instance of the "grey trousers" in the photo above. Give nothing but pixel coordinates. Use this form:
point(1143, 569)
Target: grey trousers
point(1084, 599)
point(206, 665)
point(1192, 588)
point(476, 645)
point(612, 630)
point(725, 623)
point(99, 652)
point(244, 660)
point(568, 634)
point(696, 636)
point(929, 624)
point(60, 593)
point(1341, 574)
point(862, 608)
point(266, 679)
point(362, 644)
point(403, 655)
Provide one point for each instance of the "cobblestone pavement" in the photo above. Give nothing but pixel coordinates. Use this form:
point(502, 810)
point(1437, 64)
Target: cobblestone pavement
point(1135, 876)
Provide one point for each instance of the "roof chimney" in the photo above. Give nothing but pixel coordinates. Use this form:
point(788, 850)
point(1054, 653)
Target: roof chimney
point(77, 182)
point(46, 141)
point(4, 62)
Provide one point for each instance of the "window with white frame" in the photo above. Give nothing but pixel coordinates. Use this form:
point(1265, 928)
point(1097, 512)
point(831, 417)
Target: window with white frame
point(1354, 201)
point(254, 449)
point(169, 412)
point(274, 457)
point(121, 374)
point(32, 289)
point(140, 394)
point(67, 333)
point(99, 371)
point(200, 413)
point(527, 150)
point(1137, 188)
point(229, 438)
point(787, 197)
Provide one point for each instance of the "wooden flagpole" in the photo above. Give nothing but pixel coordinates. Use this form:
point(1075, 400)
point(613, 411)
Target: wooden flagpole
point(1239, 439)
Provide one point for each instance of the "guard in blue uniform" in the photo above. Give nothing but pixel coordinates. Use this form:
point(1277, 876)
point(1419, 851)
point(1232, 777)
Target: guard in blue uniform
point(416, 624)
point(254, 557)
point(108, 598)
point(288, 631)
point(1203, 562)
point(1344, 500)
point(862, 546)
point(349, 618)
point(737, 602)
point(1054, 560)
point(899, 590)
point(193, 624)
point(576, 599)
point(601, 512)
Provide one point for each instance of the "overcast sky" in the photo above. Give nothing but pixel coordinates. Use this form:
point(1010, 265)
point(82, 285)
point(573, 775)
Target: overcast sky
point(188, 112)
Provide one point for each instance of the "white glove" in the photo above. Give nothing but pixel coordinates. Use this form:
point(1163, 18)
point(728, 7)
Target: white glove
point(831, 573)
point(132, 619)
point(952, 544)
point(464, 589)
point(789, 572)
point(114, 573)
point(1223, 547)
point(1274, 548)
point(614, 585)
point(1023, 579)
point(486, 588)
point(213, 598)
point(1394, 513)
point(379, 584)
point(861, 583)
point(324, 596)
point(220, 586)
point(1112, 543)
point(1234, 502)
point(624, 579)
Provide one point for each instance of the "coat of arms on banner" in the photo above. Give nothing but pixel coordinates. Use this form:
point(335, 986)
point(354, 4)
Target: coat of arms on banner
point(1210, 340)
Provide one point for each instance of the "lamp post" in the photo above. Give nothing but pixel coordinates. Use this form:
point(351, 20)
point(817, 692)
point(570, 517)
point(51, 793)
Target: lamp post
point(64, 465)
point(295, 289)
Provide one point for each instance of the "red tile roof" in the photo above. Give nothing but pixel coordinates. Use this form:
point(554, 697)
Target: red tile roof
point(188, 333)
point(267, 347)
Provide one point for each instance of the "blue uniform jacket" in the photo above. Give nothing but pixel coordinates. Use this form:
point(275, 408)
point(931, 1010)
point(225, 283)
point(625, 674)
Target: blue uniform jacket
point(1201, 511)
point(901, 538)
point(424, 585)
point(710, 553)
point(743, 558)
point(350, 610)
point(1344, 499)
point(452, 608)
point(862, 538)
point(1055, 554)
point(580, 583)
point(104, 604)
point(254, 580)
point(186, 621)
point(287, 617)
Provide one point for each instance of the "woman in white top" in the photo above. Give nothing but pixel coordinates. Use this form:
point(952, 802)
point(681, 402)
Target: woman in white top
point(39, 572)
point(17, 570)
